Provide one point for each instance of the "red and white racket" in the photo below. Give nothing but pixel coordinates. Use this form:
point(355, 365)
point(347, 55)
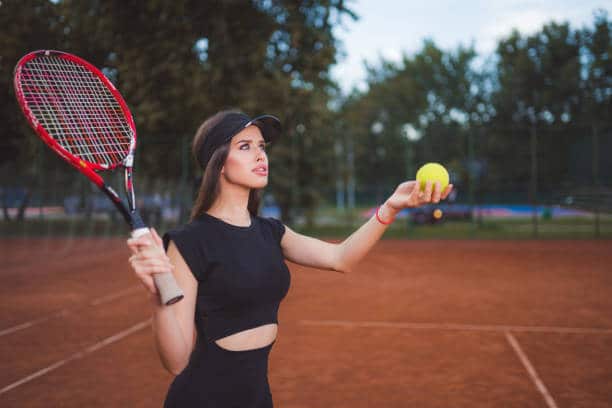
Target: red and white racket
point(80, 114)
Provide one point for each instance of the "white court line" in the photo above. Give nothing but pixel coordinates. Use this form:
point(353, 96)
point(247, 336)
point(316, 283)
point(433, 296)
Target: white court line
point(65, 311)
point(109, 340)
point(116, 295)
point(532, 372)
point(31, 323)
point(455, 326)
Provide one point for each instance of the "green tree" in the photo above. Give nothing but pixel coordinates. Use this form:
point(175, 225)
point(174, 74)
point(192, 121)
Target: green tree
point(597, 99)
point(178, 62)
point(597, 84)
point(436, 92)
point(24, 26)
point(538, 79)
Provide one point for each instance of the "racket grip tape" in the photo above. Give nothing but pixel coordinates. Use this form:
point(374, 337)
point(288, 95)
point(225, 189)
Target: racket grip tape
point(169, 290)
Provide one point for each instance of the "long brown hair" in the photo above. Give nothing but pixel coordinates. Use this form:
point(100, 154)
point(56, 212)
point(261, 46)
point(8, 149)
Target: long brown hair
point(210, 188)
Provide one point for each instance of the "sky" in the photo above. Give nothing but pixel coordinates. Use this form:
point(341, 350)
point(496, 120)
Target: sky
point(389, 28)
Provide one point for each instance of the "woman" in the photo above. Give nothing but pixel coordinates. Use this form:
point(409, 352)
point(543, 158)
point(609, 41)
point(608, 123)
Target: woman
point(229, 263)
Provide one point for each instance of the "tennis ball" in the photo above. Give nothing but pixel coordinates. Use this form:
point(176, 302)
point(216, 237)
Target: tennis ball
point(432, 172)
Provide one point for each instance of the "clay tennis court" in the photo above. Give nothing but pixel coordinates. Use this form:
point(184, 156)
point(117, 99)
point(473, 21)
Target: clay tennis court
point(417, 324)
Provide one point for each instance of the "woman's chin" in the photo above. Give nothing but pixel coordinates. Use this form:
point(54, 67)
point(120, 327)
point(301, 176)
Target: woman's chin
point(260, 183)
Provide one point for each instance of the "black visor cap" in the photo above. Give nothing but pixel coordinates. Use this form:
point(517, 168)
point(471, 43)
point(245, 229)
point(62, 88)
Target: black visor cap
point(269, 126)
point(230, 126)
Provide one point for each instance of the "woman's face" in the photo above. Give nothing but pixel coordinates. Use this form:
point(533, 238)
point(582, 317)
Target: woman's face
point(247, 162)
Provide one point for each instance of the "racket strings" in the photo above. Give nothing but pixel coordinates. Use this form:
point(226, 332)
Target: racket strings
point(77, 109)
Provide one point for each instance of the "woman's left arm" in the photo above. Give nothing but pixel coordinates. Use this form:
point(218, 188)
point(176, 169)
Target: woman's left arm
point(343, 256)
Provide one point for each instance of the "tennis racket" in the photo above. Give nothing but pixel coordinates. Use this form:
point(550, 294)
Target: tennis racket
point(80, 114)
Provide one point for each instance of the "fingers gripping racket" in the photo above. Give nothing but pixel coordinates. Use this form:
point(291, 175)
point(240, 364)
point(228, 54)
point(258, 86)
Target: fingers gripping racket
point(79, 114)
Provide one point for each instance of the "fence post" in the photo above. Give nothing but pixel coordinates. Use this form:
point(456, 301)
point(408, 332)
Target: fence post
point(595, 169)
point(534, 177)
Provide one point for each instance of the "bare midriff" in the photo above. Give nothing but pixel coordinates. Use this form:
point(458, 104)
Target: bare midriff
point(250, 339)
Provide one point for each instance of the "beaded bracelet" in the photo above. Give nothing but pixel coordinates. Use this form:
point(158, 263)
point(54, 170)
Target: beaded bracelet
point(380, 220)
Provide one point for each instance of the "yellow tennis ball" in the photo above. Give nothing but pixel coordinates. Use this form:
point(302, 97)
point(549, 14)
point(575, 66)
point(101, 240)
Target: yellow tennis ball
point(432, 172)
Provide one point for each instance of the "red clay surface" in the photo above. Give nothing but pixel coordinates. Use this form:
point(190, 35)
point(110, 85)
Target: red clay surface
point(417, 324)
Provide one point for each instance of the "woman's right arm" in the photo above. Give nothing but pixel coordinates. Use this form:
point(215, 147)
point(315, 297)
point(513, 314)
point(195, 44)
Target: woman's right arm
point(173, 326)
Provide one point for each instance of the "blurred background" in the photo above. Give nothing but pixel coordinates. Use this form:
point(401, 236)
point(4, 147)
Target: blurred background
point(514, 99)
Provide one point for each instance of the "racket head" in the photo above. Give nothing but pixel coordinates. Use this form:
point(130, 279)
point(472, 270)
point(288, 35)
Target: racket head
point(76, 110)
point(80, 114)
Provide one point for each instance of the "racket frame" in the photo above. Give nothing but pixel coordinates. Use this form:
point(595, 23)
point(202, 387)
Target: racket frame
point(169, 291)
point(88, 168)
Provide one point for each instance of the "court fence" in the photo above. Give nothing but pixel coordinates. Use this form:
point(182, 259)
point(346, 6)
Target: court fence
point(71, 206)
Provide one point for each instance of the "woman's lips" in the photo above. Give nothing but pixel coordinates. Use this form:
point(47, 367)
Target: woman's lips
point(261, 171)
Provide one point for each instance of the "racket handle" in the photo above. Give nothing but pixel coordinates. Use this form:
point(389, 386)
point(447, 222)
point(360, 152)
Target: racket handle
point(169, 290)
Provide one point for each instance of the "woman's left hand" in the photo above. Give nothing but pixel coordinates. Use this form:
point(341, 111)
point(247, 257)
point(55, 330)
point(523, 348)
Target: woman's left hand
point(407, 195)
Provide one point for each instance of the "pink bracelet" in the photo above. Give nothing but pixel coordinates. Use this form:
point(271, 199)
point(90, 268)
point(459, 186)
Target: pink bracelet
point(380, 220)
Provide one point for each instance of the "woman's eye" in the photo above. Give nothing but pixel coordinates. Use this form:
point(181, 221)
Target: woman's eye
point(261, 146)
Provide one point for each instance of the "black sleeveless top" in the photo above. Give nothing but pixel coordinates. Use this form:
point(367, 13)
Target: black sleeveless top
point(241, 274)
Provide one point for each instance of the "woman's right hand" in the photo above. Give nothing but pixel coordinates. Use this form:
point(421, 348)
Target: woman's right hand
point(148, 257)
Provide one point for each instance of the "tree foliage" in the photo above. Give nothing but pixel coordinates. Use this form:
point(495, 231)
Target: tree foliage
point(178, 62)
point(478, 118)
